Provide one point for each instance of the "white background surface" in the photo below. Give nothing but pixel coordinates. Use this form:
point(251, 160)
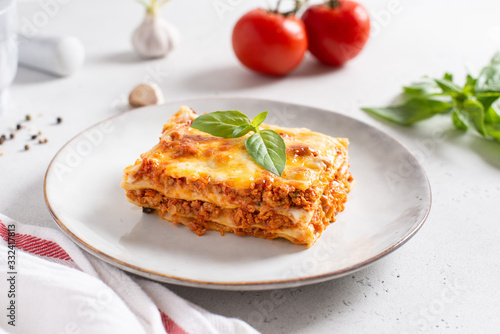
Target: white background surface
point(445, 279)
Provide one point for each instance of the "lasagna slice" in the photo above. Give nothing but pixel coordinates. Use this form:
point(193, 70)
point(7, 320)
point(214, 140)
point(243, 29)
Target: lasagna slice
point(211, 183)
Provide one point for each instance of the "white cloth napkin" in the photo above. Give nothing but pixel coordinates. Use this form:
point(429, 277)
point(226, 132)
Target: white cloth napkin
point(61, 289)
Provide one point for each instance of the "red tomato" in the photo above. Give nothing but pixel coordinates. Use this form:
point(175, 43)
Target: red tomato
point(337, 30)
point(268, 42)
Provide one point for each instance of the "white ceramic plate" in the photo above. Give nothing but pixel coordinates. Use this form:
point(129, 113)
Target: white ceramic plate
point(388, 204)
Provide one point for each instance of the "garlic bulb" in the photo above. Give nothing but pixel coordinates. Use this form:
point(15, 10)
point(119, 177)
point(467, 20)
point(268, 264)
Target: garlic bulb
point(155, 37)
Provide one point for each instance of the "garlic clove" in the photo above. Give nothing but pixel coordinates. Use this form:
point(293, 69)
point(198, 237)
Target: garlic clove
point(145, 95)
point(155, 37)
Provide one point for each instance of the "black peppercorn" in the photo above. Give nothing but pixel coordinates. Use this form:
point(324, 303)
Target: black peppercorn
point(147, 210)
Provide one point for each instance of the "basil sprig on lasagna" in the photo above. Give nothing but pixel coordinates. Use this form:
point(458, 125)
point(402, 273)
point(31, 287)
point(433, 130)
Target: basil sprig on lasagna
point(266, 147)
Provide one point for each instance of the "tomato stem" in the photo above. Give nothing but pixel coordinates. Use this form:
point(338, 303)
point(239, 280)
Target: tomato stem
point(296, 8)
point(333, 3)
point(298, 5)
point(277, 7)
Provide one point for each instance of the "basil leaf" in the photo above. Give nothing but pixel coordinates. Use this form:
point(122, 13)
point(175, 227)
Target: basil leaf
point(259, 119)
point(220, 123)
point(472, 114)
point(457, 122)
point(448, 86)
point(487, 100)
point(242, 130)
point(448, 76)
point(422, 88)
point(412, 111)
point(268, 149)
point(491, 116)
point(493, 131)
point(489, 79)
point(488, 95)
point(470, 84)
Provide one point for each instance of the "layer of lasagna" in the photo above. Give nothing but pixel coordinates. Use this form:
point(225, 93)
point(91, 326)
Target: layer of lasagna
point(211, 183)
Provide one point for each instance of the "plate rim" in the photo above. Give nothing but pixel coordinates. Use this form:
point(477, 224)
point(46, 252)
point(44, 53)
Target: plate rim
point(261, 285)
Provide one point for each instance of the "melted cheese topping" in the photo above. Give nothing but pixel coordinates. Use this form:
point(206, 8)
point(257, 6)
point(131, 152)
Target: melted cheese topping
point(187, 152)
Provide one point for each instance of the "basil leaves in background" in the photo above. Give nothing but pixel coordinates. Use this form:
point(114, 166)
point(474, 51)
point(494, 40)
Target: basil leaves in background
point(266, 147)
point(471, 106)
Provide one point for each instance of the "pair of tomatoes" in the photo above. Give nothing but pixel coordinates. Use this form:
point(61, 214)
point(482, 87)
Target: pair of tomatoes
point(273, 43)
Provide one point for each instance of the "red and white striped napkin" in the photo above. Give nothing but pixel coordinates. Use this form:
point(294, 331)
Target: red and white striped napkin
point(58, 288)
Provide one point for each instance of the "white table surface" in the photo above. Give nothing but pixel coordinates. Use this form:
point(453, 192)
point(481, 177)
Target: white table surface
point(445, 279)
